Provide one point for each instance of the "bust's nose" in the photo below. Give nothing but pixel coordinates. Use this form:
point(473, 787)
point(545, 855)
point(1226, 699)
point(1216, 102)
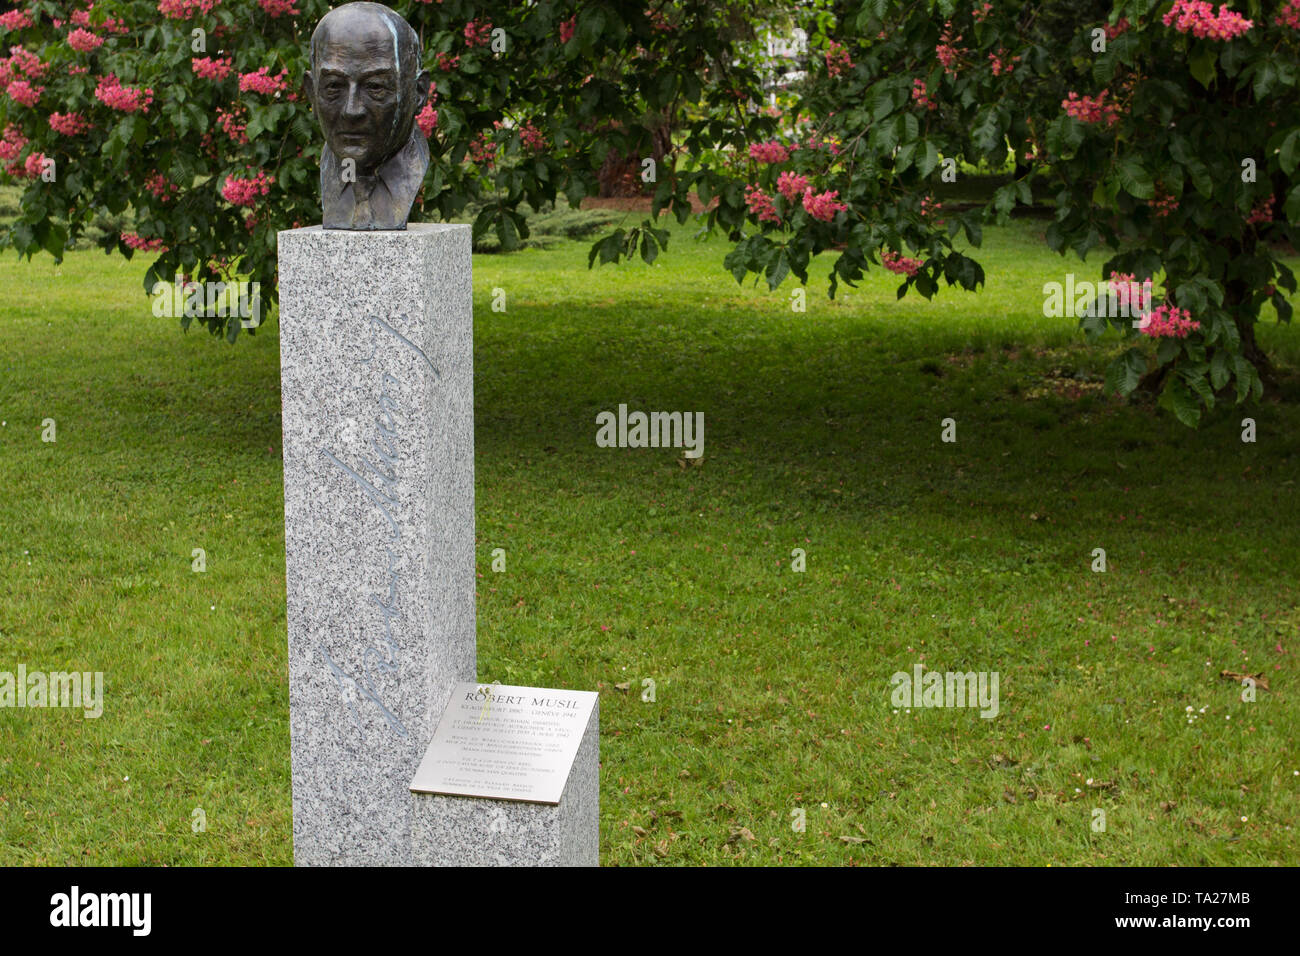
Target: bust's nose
point(352, 107)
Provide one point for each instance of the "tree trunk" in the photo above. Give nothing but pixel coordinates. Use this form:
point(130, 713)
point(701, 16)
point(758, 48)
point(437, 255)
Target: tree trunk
point(620, 173)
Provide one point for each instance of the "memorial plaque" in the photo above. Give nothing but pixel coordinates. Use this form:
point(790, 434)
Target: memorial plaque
point(505, 743)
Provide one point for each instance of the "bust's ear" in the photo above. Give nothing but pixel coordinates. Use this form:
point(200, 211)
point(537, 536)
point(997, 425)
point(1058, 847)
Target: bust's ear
point(422, 82)
point(309, 84)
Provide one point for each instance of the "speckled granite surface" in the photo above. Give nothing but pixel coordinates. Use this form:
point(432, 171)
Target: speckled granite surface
point(376, 349)
point(465, 831)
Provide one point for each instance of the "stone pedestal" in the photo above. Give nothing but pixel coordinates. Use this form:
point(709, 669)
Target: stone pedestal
point(376, 350)
point(472, 831)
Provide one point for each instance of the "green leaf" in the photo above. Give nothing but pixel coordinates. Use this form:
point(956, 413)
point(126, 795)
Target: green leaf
point(903, 158)
point(1135, 366)
point(1168, 350)
point(1289, 156)
point(883, 137)
point(1135, 179)
point(926, 164)
point(987, 133)
point(736, 260)
point(1203, 65)
point(703, 189)
point(1246, 376)
point(1219, 371)
point(777, 270)
point(591, 22)
point(1265, 78)
point(1292, 207)
point(1182, 402)
point(882, 102)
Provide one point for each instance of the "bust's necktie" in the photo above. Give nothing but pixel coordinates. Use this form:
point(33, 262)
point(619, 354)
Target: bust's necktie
point(362, 189)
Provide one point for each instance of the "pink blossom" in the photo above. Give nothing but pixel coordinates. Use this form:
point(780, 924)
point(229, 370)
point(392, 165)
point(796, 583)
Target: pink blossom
point(482, 149)
point(477, 34)
point(1198, 18)
point(1290, 15)
point(568, 27)
point(1168, 321)
point(181, 9)
point(68, 124)
point(1163, 204)
point(427, 120)
point(1113, 31)
point(897, 262)
point(83, 41)
point(1088, 109)
point(947, 50)
point(114, 95)
point(532, 137)
point(822, 205)
point(33, 165)
point(447, 62)
point(143, 245)
point(211, 67)
point(760, 204)
point(772, 152)
point(14, 20)
point(1001, 64)
point(279, 8)
point(20, 91)
point(231, 122)
point(161, 187)
point(815, 144)
point(23, 62)
point(82, 18)
point(246, 192)
point(11, 143)
point(1262, 213)
point(1126, 289)
point(791, 185)
point(921, 97)
point(837, 59)
point(262, 82)
point(982, 11)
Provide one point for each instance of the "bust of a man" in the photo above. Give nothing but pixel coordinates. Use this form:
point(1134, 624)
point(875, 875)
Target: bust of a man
point(366, 86)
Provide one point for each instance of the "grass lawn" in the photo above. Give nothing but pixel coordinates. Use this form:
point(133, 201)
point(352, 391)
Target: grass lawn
point(772, 688)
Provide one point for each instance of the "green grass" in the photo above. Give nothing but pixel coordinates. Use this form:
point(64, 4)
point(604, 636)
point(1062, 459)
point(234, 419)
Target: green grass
point(772, 687)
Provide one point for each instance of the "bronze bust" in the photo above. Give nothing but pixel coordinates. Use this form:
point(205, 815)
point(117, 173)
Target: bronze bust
point(366, 86)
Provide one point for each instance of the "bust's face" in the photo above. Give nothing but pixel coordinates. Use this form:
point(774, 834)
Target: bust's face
point(364, 104)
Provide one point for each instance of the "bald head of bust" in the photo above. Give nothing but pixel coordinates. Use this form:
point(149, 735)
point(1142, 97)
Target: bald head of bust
point(366, 84)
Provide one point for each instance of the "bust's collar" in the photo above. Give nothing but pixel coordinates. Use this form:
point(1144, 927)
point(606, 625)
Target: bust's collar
point(400, 175)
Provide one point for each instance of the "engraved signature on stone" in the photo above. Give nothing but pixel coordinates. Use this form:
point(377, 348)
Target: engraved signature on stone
point(381, 488)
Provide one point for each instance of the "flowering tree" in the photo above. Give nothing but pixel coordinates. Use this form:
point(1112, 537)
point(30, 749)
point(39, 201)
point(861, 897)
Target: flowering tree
point(191, 113)
point(1167, 134)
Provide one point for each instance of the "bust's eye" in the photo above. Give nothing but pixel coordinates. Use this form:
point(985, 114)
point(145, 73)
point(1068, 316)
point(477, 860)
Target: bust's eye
point(378, 89)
